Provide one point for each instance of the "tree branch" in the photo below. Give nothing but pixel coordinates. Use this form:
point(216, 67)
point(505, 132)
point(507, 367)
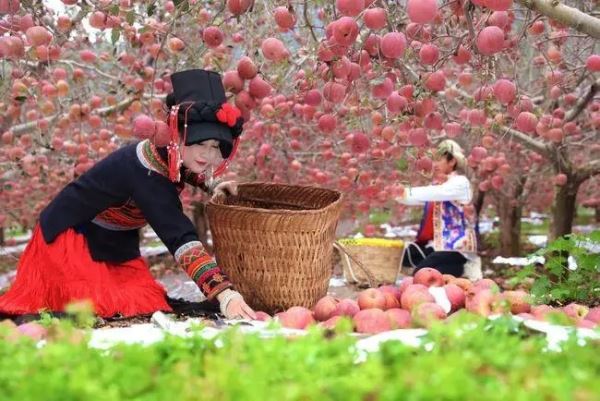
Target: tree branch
point(521, 137)
point(589, 170)
point(524, 139)
point(26, 127)
point(583, 102)
point(566, 15)
point(467, 7)
point(307, 21)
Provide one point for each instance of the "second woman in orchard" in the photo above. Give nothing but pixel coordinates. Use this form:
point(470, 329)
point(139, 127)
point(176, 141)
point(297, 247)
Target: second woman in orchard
point(86, 244)
point(446, 240)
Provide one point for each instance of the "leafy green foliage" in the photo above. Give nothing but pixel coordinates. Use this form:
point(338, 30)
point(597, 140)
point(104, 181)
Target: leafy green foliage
point(556, 282)
point(471, 358)
point(379, 217)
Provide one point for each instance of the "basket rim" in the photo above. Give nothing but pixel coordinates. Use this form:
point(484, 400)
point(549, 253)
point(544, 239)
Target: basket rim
point(332, 205)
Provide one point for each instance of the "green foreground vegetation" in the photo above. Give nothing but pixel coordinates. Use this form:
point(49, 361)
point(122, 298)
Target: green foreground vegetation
point(469, 358)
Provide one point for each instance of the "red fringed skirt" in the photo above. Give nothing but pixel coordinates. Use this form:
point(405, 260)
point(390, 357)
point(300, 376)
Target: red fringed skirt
point(50, 276)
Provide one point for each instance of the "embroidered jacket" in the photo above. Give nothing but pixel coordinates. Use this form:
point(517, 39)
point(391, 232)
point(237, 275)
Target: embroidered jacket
point(119, 195)
point(451, 229)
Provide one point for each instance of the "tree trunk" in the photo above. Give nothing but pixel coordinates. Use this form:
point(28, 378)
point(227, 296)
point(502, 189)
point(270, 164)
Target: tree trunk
point(563, 208)
point(510, 212)
point(597, 215)
point(478, 205)
point(2, 234)
point(201, 222)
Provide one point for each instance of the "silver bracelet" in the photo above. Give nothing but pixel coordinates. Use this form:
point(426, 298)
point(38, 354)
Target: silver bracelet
point(225, 298)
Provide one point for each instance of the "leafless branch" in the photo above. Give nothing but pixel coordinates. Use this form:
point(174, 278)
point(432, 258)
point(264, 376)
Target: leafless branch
point(583, 102)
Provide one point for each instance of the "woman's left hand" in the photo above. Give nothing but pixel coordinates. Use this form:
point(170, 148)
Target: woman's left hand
point(233, 306)
point(225, 188)
point(239, 309)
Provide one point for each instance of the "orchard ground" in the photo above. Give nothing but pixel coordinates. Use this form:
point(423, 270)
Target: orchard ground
point(179, 286)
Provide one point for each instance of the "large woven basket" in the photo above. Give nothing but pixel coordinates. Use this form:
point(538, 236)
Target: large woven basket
point(371, 261)
point(275, 242)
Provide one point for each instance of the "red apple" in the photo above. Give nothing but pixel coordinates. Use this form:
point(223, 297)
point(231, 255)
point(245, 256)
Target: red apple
point(463, 283)
point(586, 324)
point(540, 312)
point(331, 322)
point(426, 313)
point(392, 289)
point(456, 296)
point(33, 330)
point(399, 318)
point(448, 278)
point(370, 299)
point(263, 316)
point(480, 302)
point(429, 277)
point(414, 295)
point(325, 308)
point(518, 301)
point(297, 317)
point(487, 283)
point(593, 314)
point(406, 281)
point(575, 312)
point(371, 321)
point(346, 307)
point(390, 301)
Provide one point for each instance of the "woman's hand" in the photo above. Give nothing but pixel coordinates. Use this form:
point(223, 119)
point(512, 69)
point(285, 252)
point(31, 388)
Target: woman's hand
point(239, 309)
point(233, 305)
point(225, 188)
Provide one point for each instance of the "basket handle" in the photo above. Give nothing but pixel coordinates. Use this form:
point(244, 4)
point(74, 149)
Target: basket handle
point(370, 277)
point(406, 252)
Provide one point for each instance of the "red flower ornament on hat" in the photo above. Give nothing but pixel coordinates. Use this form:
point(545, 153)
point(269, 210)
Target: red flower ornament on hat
point(228, 114)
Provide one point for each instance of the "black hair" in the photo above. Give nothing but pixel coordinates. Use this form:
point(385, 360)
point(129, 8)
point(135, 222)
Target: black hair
point(449, 157)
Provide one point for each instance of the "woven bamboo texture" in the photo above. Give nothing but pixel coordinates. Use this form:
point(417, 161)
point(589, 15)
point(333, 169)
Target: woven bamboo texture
point(275, 242)
point(366, 264)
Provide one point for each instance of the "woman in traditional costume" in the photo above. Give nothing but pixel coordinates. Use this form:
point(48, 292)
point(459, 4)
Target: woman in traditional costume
point(445, 240)
point(86, 243)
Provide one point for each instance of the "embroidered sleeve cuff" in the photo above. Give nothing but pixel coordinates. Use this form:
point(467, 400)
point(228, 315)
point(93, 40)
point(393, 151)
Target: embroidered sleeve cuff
point(202, 269)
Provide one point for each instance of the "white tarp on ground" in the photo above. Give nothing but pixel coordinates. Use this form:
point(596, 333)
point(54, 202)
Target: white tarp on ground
point(162, 324)
point(515, 261)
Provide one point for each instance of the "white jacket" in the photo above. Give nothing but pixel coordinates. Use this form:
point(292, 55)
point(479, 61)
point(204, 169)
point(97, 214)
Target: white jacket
point(451, 229)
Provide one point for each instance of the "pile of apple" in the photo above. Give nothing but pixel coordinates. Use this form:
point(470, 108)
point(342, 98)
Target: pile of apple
point(411, 304)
